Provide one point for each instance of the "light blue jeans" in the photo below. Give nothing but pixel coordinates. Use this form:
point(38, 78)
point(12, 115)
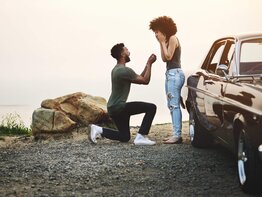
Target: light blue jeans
point(175, 79)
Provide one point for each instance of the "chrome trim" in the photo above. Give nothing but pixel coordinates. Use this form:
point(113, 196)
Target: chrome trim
point(260, 152)
point(260, 148)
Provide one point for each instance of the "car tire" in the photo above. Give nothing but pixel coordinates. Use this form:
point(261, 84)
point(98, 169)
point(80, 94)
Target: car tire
point(249, 169)
point(199, 136)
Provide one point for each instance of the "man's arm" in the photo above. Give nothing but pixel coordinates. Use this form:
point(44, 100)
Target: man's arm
point(144, 79)
point(144, 71)
point(145, 76)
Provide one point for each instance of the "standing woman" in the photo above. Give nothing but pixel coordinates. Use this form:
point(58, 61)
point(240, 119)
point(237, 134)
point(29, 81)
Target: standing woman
point(165, 31)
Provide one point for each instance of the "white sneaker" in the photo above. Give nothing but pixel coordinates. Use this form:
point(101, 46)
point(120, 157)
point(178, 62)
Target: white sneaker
point(93, 132)
point(141, 140)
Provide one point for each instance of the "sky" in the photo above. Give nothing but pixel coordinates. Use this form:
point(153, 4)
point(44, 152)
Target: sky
point(50, 48)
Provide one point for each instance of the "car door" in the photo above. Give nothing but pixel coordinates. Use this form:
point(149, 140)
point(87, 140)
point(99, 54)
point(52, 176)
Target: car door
point(214, 87)
point(214, 84)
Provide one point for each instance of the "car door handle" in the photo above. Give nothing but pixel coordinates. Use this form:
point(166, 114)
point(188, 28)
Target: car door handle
point(208, 82)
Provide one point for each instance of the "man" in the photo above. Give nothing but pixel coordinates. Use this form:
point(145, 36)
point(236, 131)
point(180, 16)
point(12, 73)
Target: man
point(120, 110)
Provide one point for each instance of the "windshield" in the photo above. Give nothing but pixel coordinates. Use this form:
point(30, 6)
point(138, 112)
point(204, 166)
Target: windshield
point(251, 57)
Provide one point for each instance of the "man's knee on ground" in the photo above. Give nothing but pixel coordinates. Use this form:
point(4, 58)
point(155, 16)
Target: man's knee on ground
point(125, 138)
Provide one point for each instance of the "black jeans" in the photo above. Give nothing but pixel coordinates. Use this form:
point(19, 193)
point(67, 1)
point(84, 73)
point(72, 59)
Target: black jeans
point(122, 121)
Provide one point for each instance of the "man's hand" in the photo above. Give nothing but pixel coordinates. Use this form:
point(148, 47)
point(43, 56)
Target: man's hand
point(144, 77)
point(151, 59)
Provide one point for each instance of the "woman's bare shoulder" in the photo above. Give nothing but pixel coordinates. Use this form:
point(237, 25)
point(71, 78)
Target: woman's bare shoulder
point(173, 40)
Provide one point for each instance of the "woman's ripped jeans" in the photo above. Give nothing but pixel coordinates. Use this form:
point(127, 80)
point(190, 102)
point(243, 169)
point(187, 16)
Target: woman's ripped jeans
point(175, 80)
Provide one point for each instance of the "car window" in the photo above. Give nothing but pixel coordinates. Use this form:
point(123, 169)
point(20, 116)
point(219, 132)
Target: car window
point(215, 56)
point(251, 57)
point(227, 56)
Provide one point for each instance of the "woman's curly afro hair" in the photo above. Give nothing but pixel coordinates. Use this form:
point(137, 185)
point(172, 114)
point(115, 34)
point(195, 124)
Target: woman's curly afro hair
point(164, 24)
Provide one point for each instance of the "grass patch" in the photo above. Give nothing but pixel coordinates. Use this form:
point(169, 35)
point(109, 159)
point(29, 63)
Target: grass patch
point(12, 124)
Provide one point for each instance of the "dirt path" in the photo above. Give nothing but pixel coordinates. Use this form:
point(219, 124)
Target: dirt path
point(74, 167)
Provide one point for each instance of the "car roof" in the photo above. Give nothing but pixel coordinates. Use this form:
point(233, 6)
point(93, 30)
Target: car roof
point(243, 36)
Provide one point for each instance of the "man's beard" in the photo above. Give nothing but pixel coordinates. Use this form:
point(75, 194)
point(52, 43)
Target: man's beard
point(127, 59)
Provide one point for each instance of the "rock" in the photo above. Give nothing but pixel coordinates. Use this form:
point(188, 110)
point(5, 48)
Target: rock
point(64, 113)
point(48, 120)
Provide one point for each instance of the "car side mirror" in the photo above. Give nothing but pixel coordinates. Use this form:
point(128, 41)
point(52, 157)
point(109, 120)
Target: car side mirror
point(222, 70)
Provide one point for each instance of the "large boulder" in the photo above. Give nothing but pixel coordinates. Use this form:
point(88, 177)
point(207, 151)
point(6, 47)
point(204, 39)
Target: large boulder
point(64, 113)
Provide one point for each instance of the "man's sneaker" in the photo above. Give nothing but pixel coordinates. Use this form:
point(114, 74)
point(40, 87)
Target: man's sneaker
point(93, 132)
point(141, 140)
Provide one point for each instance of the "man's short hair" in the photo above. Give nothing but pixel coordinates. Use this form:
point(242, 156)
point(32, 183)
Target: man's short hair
point(117, 50)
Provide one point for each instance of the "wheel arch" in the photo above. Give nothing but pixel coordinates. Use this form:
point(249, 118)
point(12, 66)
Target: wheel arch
point(238, 124)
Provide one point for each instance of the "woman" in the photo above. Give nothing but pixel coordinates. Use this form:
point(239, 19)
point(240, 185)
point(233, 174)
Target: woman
point(165, 31)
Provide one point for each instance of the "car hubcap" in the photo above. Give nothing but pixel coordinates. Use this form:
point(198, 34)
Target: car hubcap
point(191, 131)
point(242, 159)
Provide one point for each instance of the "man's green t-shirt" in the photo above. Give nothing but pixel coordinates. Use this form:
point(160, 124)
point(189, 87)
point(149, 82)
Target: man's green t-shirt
point(121, 77)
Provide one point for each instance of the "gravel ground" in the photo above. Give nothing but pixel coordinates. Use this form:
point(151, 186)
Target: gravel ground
point(75, 167)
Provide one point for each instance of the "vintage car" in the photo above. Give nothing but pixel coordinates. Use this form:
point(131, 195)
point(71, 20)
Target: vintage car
point(225, 104)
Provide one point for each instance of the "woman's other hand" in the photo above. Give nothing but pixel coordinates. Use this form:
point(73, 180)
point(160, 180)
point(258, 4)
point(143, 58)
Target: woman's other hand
point(160, 36)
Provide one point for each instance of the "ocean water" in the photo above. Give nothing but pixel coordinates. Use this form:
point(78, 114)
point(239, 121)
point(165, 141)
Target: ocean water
point(25, 112)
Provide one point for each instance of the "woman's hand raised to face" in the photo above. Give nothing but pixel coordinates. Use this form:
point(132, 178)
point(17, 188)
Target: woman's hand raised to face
point(160, 37)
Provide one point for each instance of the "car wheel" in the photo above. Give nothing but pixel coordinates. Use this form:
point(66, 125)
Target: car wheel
point(199, 136)
point(248, 165)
